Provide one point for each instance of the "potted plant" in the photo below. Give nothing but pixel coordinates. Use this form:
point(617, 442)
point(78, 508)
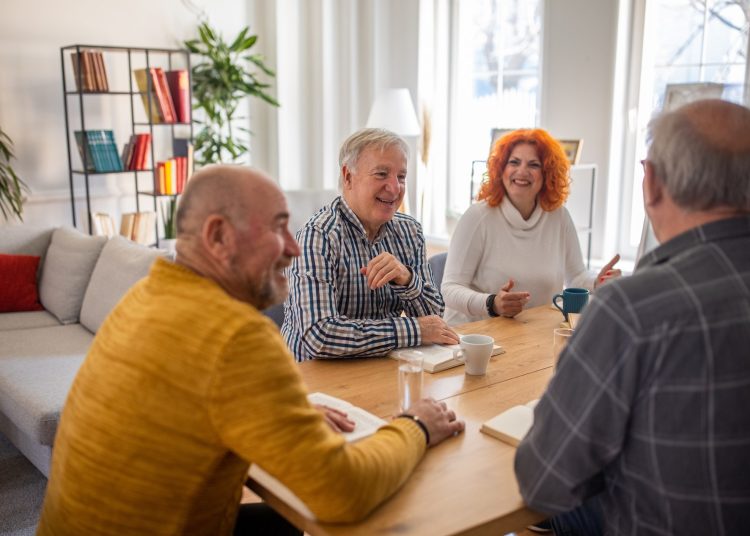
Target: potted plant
point(221, 80)
point(12, 187)
point(168, 213)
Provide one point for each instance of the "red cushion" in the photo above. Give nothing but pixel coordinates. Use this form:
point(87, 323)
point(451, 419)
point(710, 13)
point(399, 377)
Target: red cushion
point(18, 290)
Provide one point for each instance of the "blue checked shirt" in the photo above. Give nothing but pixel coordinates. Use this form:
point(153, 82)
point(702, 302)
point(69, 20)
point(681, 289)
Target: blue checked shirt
point(331, 312)
point(649, 404)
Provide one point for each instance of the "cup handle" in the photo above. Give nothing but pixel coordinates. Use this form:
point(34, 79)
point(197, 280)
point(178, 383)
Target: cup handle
point(554, 302)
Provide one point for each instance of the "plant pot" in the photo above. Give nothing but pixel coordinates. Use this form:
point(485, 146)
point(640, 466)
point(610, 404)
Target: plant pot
point(168, 244)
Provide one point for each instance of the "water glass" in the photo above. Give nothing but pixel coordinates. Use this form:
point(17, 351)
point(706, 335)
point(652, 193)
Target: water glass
point(560, 339)
point(409, 382)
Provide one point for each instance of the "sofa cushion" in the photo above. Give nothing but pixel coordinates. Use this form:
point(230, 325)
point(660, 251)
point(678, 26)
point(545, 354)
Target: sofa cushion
point(34, 319)
point(18, 291)
point(121, 263)
point(25, 240)
point(37, 368)
point(66, 272)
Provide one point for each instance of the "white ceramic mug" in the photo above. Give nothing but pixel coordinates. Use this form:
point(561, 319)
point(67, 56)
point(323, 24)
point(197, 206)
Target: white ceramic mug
point(476, 351)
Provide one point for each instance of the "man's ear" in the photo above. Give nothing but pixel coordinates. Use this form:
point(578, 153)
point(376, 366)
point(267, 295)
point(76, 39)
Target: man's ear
point(653, 189)
point(346, 173)
point(219, 237)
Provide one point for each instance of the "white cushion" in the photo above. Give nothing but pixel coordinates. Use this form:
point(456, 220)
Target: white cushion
point(27, 320)
point(25, 240)
point(65, 275)
point(121, 263)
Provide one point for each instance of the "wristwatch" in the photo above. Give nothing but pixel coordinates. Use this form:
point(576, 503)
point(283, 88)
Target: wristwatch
point(490, 304)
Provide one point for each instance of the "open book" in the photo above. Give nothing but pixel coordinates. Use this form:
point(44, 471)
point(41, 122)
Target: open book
point(366, 425)
point(436, 357)
point(511, 425)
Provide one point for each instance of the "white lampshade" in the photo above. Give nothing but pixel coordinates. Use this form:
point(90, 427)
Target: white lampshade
point(393, 110)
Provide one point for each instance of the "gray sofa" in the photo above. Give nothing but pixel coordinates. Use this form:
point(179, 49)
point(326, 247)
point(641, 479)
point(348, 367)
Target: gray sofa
point(80, 279)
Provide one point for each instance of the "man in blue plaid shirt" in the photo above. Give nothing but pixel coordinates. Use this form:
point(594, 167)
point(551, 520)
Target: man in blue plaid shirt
point(644, 428)
point(362, 285)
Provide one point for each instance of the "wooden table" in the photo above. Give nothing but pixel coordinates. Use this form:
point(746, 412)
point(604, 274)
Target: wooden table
point(465, 485)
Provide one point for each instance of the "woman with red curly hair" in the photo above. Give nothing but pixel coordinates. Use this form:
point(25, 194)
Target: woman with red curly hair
point(517, 246)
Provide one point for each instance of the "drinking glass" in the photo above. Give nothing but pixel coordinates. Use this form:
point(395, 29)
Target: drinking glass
point(409, 382)
point(560, 338)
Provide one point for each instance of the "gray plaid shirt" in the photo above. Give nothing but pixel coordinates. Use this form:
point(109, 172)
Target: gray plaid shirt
point(331, 312)
point(649, 404)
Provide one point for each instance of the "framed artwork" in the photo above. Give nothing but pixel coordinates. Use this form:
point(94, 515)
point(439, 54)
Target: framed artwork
point(572, 150)
point(498, 133)
point(675, 95)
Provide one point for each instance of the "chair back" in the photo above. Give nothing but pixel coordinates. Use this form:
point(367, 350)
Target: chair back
point(437, 265)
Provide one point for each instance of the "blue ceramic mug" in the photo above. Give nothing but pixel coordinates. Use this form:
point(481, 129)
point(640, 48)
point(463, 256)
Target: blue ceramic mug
point(574, 300)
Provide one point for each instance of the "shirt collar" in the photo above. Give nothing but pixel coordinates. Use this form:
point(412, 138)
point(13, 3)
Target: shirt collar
point(710, 232)
point(349, 215)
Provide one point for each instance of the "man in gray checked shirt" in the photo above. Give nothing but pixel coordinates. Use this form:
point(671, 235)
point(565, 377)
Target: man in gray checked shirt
point(644, 428)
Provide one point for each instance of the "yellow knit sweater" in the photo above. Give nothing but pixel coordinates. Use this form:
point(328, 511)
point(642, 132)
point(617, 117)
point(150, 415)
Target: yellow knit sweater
point(182, 388)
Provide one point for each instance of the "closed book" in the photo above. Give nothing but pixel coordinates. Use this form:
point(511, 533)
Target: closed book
point(144, 140)
point(148, 95)
point(512, 425)
point(184, 147)
point(87, 159)
point(110, 146)
point(436, 357)
point(178, 82)
point(78, 71)
point(159, 82)
point(127, 224)
point(102, 72)
point(88, 71)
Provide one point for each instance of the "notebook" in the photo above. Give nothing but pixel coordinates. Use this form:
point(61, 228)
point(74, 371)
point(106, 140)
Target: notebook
point(436, 357)
point(512, 425)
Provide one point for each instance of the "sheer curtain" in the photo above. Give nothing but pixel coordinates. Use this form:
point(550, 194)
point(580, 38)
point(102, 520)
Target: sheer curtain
point(331, 57)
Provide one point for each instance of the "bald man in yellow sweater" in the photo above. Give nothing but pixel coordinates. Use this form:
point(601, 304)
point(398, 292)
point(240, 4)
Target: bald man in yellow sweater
point(187, 383)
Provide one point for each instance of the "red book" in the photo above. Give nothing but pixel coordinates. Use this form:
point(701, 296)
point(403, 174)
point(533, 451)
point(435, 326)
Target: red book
point(142, 151)
point(180, 91)
point(166, 97)
point(161, 99)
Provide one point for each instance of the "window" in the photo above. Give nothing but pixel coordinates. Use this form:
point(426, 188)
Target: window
point(683, 41)
point(495, 82)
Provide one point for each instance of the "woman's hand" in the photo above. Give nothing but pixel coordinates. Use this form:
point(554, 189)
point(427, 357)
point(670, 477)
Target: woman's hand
point(607, 272)
point(509, 303)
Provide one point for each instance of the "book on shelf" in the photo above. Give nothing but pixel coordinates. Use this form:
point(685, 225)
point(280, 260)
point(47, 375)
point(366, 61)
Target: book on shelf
point(183, 147)
point(139, 227)
point(179, 87)
point(162, 107)
point(366, 425)
point(103, 224)
point(436, 357)
point(135, 152)
point(89, 64)
point(99, 149)
point(150, 101)
point(512, 425)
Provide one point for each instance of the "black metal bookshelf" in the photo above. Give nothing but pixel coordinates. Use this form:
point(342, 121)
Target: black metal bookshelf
point(146, 57)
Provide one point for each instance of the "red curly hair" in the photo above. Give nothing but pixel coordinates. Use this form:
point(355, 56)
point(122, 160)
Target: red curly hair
point(555, 168)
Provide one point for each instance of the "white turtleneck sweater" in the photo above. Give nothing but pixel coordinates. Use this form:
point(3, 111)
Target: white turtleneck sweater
point(493, 244)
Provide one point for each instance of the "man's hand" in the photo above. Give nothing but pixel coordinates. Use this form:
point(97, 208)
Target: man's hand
point(509, 303)
point(607, 272)
point(335, 418)
point(435, 330)
point(383, 269)
point(441, 422)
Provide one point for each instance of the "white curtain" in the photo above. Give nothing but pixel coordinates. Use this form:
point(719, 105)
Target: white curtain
point(331, 58)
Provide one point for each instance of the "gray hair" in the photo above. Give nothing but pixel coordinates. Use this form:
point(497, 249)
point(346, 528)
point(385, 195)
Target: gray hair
point(379, 138)
point(697, 166)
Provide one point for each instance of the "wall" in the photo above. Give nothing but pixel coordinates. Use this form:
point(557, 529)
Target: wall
point(580, 38)
point(31, 101)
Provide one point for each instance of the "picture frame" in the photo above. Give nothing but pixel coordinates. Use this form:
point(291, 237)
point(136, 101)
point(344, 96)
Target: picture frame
point(496, 134)
point(572, 150)
point(676, 95)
